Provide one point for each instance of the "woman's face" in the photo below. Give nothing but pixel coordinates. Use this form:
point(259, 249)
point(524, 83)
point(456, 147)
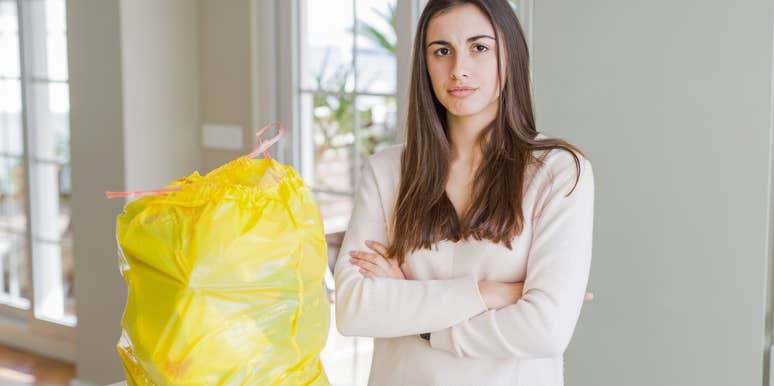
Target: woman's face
point(461, 60)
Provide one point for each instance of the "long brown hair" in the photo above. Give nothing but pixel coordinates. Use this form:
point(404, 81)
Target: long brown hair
point(423, 213)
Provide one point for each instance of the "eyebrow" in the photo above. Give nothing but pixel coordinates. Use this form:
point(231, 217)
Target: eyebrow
point(470, 39)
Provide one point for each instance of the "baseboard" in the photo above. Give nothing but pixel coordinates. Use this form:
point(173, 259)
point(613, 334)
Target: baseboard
point(19, 335)
point(78, 382)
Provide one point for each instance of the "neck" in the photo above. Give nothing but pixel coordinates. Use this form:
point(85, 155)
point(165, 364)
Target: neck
point(464, 132)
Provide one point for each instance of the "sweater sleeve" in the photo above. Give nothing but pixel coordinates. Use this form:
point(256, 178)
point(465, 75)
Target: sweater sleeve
point(382, 307)
point(542, 322)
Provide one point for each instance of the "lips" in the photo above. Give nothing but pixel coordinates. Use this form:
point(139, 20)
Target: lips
point(461, 92)
point(461, 88)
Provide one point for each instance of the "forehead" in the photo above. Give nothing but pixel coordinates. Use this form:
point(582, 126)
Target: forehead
point(458, 23)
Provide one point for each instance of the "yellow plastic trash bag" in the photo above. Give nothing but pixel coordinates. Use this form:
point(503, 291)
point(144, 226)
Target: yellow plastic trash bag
point(225, 275)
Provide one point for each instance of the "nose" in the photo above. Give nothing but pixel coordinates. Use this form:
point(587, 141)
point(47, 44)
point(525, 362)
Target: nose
point(460, 68)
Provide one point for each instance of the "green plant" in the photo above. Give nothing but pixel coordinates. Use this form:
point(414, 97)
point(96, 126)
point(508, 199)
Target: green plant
point(333, 108)
point(332, 111)
point(384, 39)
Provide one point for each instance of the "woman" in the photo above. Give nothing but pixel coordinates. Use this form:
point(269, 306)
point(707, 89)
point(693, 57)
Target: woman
point(469, 247)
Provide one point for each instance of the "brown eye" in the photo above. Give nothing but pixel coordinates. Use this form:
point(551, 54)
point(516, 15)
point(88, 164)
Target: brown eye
point(481, 48)
point(442, 51)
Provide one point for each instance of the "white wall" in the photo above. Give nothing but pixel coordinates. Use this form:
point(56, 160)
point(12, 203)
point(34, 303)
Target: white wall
point(135, 124)
point(160, 62)
point(672, 102)
point(96, 124)
point(227, 73)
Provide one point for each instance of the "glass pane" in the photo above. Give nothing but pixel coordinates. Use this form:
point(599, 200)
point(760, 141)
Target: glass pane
point(9, 40)
point(376, 39)
point(346, 359)
point(49, 118)
point(53, 259)
point(326, 44)
point(378, 117)
point(68, 275)
point(13, 217)
point(327, 141)
point(14, 286)
point(48, 59)
point(335, 210)
point(54, 293)
point(11, 140)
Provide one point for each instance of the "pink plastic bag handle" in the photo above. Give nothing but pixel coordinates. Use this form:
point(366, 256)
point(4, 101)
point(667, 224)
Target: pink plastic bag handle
point(263, 147)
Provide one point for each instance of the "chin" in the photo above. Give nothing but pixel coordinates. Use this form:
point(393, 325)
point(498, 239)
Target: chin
point(464, 110)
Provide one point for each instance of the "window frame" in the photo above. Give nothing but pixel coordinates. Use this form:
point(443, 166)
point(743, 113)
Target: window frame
point(22, 326)
point(285, 86)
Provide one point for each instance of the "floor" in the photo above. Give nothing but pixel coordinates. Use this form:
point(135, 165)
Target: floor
point(18, 368)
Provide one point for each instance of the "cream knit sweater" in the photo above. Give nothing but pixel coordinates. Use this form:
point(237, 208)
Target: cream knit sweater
point(521, 344)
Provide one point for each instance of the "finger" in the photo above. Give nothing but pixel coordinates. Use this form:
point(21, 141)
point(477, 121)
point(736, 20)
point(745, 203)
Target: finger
point(381, 249)
point(365, 263)
point(376, 269)
point(377, 247)
point(366, 273)
point(372, 258)
point(359, 263)
point(356, 262)
point(362, 255)
point(370, 272)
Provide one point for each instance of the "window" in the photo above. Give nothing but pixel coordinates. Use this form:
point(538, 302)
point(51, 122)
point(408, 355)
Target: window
point(36, 255)
point(347, 109)
point(347, 95)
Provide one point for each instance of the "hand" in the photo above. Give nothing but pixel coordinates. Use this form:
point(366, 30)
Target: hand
point(498, 294)
point(377, 264)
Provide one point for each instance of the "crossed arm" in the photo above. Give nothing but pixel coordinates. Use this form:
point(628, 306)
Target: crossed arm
point(466, 317)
